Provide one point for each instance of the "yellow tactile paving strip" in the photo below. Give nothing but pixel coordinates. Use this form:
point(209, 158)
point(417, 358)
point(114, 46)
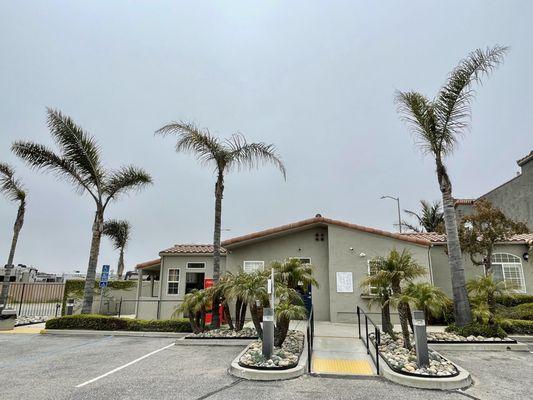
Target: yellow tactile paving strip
point(23, 329)
point(342, 367)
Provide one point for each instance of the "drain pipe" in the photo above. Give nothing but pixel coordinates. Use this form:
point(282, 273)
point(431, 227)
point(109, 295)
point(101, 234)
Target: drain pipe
point(430, 264)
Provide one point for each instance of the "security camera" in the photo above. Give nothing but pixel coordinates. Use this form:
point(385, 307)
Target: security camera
point(351, 248)
point(362, 255)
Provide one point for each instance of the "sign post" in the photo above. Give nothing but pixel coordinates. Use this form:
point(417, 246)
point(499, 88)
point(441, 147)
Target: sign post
point(104, 280)
point(421, 340)
point(268, 321)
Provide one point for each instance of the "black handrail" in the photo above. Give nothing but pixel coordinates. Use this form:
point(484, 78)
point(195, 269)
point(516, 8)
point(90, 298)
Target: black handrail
point(310, 337)
point(365, 338)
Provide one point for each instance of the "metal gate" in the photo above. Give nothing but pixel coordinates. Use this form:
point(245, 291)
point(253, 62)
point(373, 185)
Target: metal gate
point(36, 299)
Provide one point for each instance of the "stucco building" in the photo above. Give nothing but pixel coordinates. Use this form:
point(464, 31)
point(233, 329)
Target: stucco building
point(340, 252)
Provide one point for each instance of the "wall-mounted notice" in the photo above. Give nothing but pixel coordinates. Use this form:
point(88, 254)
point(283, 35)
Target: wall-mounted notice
point(344, 282)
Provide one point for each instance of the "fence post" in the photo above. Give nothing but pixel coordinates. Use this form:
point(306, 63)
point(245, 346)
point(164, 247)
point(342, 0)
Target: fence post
point(120, 306)
point(359, 321)
point(366, 334)
point(377, 342)
point(21, 298)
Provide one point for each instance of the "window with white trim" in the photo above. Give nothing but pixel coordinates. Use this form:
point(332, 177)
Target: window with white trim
point(252, 266)
point(303, 260)
point(196, 265)
point(173, 281)
point(373, 268)
point(508, 268)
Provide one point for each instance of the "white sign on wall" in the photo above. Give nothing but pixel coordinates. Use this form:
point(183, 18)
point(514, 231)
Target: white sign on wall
point(344, 282)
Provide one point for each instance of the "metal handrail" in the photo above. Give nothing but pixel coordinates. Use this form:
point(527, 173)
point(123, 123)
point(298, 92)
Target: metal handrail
point(365, 338)
point(310, 337)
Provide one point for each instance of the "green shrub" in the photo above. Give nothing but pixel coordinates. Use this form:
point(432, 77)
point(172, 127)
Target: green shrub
point(103, 323)
point(517, 326)
point(477, 329)
point(522, 311)
point(445, 318)
point(514, 300)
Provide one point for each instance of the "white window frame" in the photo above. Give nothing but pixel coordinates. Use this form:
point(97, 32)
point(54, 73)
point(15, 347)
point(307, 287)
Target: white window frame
point(262, 268)
point(372, 290)
point(195, 262)
point(302, 258)
point(169, 281)
point(517, 263)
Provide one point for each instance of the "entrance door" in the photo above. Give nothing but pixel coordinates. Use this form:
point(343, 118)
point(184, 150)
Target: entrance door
point(194, 280)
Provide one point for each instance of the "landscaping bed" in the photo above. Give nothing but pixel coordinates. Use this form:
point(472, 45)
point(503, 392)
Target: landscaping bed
point(21, 321)
point(245, 333)
point(282, 358)
point(450, 337)
point(104, 323)
point(404, 361)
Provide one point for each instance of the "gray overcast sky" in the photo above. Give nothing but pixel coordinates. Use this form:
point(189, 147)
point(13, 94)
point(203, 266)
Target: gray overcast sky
point(315, 78)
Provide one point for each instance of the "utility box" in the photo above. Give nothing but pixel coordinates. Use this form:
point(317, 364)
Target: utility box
point(7, 320)
point(70, 307)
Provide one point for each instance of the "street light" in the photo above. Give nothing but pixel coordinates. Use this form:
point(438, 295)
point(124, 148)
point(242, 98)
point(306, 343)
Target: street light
point(399, 215)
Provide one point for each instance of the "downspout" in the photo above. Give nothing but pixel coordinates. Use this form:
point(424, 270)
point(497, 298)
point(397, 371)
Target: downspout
point(139, 292)
point(161, 277)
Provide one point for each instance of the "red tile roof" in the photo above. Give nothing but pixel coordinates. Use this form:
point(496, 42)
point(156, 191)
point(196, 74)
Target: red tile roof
point(322, 221)
point(147, 264)
point(464, 201)
point(437, 238)
point(191, 249)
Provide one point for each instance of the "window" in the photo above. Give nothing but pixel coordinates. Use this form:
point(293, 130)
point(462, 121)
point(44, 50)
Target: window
point(508, 268)
point(196, 265)
point(251, 266)
point(303, 260)
point(373, 268)
point(173, 282)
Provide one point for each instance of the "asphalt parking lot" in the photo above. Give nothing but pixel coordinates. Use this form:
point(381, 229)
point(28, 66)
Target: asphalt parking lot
point(52, 367)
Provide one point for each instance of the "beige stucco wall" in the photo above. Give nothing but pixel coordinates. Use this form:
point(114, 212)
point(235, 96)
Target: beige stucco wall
point(441, 268)
point(343, 259)
point(297, 244)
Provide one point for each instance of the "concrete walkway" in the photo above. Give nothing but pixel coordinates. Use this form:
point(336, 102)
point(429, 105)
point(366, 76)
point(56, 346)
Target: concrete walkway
point(338, 351)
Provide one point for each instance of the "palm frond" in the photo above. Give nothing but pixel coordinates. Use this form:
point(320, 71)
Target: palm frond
point(244, 155)
point(123, 180)
point(118, 231)
point(10, 186)
point(40, 157)
point(76, 145)
point(452, 105)
point(195, 140)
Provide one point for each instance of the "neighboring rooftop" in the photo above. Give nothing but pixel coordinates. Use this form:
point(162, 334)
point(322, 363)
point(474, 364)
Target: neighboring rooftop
point(191, 249)
point(464, 201)
point(526, 159)
point(437, 238)
point(148, 264)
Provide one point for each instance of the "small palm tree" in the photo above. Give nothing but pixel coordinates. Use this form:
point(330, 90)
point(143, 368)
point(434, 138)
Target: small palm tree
point(12, 188)
point(438, 125)
point(79, 163)
point(119, 233)
point(426, 297)
point(399, 269)
point(483, 291)
point(382, 293)
point(289, 307)
point(195, 305)
point(430, 219)
point(233, 153)
point(294, 274)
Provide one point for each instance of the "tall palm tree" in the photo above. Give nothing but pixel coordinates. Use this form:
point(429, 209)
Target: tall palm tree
point(430, 218)
point(438, 125)
point(399, 269)
point(12, 188)
point(79, 163)
point(119, 233)
point(223, 155)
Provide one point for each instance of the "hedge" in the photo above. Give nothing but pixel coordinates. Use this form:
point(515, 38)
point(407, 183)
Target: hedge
point(477, 329)
point(514, 300)
point(522, 311)
point(517, 326)
point(104, 323)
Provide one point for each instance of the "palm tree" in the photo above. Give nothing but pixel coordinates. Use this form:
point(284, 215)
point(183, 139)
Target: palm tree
point(295, 274)
point(79, 163)
point(426, 297)
point(483, 291)
point(223, 155)
point(398, 269)
point(430, 219)
point(381, 284)
point(119, 233)
point(438, 125)
point(12, 188)
point(290, 307)
point(195, 304)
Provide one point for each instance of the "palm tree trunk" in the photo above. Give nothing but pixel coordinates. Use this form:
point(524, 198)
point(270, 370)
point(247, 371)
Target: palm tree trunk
point(386, 323)
point(282, 327)
point(463, 314)
point(120, 267)
point(19, 221)
point(219, 192)
point(255, 320)
point(88, 291)
point(227, 315)
point(243, 315)
point(238, 305)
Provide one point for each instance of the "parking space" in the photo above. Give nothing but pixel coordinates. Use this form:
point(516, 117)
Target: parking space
point(53, 367)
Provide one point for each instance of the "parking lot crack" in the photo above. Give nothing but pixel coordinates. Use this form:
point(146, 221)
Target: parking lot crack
point(235, 382)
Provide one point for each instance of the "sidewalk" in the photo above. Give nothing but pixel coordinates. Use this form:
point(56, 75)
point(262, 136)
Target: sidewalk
point(338, 351)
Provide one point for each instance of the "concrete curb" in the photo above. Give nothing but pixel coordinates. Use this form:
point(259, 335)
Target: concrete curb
point(460, 381)
point(214, 342)
point(84, 332)
point(479, 346)
point(264, 375)
point(522, 338)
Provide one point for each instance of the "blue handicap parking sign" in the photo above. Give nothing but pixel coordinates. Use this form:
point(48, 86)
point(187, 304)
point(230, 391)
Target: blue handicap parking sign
point(103, 284)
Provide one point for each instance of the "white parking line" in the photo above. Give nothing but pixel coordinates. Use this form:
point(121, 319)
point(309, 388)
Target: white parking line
point(124, 366)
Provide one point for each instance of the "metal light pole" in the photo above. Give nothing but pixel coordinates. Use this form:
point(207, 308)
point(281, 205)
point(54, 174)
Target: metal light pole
point(398, 204)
